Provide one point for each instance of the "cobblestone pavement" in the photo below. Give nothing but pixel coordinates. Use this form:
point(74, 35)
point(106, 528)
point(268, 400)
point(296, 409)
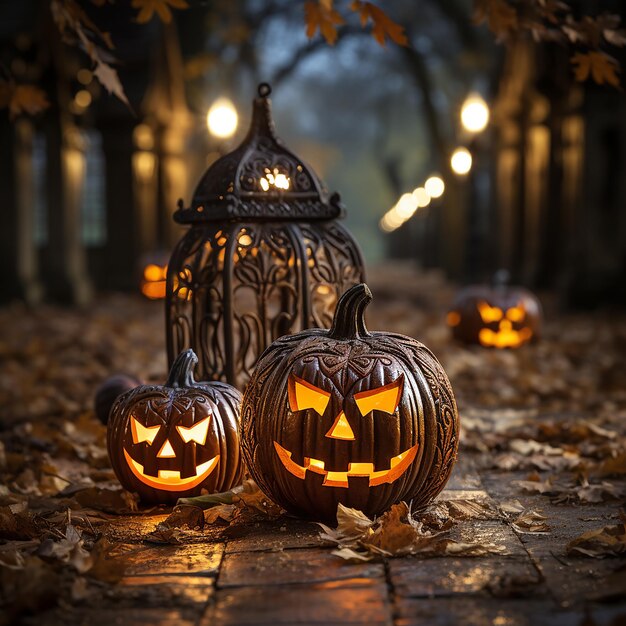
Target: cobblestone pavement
point(281, 571)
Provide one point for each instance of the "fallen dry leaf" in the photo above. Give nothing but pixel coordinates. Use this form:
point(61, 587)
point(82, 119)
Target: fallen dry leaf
point(224, 512)
point(185, 516)
point(395, 533)
point(68, 550)
point(607, 541)
point(530, 521)
point(598, 492)
point(536, 486)
point(252, 499)
point(163, 534)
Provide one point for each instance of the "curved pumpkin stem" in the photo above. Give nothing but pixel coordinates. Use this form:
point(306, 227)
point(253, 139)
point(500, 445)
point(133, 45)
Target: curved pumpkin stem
point(181, 374)
point(349, 319)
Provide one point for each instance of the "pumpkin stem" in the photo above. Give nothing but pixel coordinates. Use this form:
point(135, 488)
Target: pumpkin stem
point(501, 279)
point(181, 374)
point(349, 319)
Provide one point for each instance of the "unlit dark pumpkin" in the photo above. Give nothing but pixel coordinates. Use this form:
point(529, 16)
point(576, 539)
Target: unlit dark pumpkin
point(496, 315)
point(108, 392)
point(348, 416)
point(176, 440)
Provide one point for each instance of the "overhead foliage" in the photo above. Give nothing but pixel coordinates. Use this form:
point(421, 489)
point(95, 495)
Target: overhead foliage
point(18, 99)
point(591, 37)
point(147, 9)
point(320, 15)
point(554, 21)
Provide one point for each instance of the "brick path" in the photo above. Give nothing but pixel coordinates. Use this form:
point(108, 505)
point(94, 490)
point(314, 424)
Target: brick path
point(281, 572)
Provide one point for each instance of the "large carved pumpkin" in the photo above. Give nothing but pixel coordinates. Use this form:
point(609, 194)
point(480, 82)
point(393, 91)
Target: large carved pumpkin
point(495, 316)
point(344, 415)
point(176, 440)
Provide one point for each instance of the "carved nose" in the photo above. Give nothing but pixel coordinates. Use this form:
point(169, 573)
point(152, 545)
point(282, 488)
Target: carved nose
point(341, 429)
point(166, 451)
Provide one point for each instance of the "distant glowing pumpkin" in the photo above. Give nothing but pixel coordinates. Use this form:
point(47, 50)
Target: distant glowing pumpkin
point(497, 316)
point(348, 416)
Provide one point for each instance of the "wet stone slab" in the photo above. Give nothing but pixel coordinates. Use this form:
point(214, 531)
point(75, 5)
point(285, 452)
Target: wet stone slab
point(135, 529)
point(495, 612)
point(113, 617)
point(353, 601)
point(292, 566)
point(500, 576)
point(493, 533)
point(271, 536)
point(142, 560)
point(577, 581)
point(162, 591)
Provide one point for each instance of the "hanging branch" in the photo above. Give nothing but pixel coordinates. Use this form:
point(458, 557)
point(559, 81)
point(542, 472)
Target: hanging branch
point(552, 20)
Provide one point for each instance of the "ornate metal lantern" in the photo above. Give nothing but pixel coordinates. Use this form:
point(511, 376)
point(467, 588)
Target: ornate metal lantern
point(265, 255)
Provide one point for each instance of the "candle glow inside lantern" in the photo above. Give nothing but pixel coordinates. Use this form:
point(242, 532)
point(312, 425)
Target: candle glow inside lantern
point(265, 255)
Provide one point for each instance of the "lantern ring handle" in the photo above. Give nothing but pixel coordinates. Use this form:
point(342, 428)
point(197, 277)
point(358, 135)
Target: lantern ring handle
point(264, 90)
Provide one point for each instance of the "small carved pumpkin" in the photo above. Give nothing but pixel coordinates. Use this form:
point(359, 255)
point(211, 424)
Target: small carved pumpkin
point(347, 416)
point(176, 440)
point(496, 316)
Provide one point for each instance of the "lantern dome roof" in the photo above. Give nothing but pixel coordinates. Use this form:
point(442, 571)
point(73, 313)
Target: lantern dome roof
point(260, 179)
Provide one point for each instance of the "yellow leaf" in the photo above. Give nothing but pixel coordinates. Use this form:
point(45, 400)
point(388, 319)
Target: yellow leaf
point(500, 16)
point(147, 9)
point(318, 17)
point(22, 99)
point(382, 25)
point(601, 67)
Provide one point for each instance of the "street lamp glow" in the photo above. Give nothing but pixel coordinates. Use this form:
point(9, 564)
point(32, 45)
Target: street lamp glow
point(474, 114)
point(221, 120)
point(461, 161)
point(434, 187)
point(421, 197)
point(407, 205)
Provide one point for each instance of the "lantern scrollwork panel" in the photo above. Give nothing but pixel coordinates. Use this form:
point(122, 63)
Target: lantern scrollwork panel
point(264, 256)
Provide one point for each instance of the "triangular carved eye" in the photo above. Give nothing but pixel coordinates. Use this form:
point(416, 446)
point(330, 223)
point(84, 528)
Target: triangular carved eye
point(303, 395)
point(385, 399)
point(198, 432)
point(143, 433)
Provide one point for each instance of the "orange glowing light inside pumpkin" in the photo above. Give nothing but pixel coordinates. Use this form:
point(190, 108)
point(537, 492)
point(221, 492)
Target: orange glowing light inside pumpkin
point(506, 336)
point(453, 318)
point(397, 466)
point(304, 395)
point(168, 479)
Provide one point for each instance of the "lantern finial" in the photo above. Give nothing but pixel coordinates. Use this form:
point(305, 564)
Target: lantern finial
point(260, 180)
point(264, 90)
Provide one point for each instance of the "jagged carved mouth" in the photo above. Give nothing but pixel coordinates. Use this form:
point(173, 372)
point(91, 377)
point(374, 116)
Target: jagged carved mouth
point(397, 466)
point(170, 480)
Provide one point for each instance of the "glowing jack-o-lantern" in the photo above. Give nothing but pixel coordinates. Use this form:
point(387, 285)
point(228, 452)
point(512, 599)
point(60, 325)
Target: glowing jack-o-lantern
point(178, 439)
point(347, 416)
point(497, 316)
